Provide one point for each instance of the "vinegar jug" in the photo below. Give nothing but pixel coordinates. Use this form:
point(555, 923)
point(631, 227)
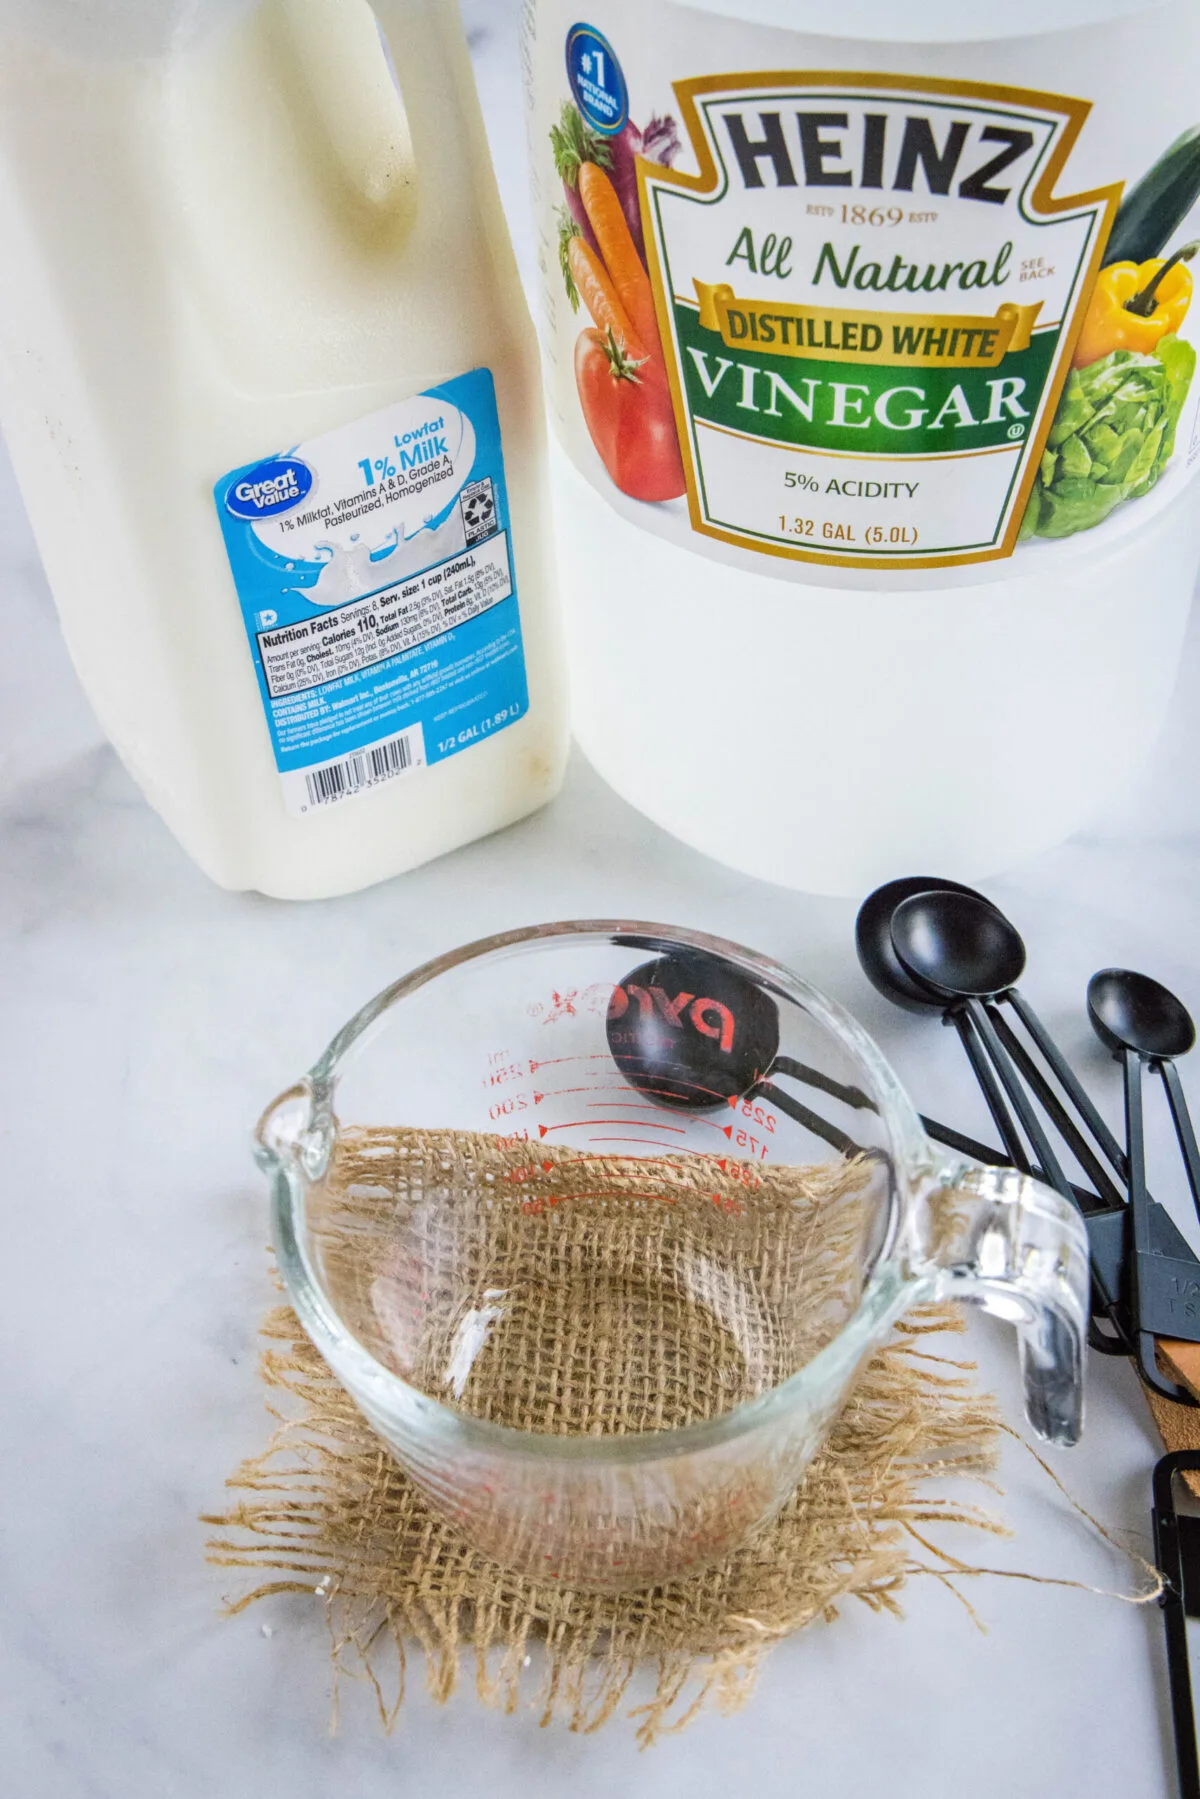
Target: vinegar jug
point(271, 390)
point(872, 384)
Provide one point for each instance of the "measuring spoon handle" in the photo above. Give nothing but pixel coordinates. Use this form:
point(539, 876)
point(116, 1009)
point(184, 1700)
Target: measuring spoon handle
point(1177, 1101)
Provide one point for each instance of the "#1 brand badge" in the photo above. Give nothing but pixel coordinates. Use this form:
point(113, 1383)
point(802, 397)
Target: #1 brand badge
point(597, 80)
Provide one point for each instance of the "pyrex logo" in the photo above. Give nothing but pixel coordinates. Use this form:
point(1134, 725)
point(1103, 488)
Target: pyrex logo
point(708, 1016)
point(271, 488)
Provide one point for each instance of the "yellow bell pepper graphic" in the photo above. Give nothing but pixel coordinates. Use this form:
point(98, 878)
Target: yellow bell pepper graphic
point(1133, 305)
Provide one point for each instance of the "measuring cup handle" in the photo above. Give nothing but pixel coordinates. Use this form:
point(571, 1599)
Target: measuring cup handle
point(1001, 1240)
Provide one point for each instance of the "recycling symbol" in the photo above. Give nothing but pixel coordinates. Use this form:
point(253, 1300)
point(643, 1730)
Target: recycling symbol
point(479, 510)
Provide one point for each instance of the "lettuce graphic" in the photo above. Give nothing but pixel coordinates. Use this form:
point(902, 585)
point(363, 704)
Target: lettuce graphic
point(1111, 439)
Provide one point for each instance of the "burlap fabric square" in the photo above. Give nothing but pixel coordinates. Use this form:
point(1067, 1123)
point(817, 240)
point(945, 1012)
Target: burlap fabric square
point(325, 1510)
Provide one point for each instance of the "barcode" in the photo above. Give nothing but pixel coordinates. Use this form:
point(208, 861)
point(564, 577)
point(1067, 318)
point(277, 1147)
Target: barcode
point(338, 780)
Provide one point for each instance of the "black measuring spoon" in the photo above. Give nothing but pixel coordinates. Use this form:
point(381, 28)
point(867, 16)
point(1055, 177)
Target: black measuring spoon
point(888, 975)
point(1130, 1012)
point(876, 951)
point(963, 948)
point(980, 936)
point(1141, 1022)
point(693, 1033)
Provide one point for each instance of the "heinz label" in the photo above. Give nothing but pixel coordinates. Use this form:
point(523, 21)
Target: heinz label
point(888, 318)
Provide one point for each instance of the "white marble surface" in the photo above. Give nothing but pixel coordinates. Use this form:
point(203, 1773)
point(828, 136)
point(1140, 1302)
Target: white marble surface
point(147, 1016)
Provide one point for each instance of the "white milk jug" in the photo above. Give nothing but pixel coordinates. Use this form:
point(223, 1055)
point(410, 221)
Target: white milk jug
point(271, 390)
point(872, 378)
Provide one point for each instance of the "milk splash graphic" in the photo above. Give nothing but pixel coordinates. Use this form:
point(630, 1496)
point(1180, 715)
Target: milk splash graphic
point(347, 574)
point(368, 519)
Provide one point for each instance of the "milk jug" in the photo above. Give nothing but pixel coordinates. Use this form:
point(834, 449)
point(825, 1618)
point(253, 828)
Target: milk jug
point(271, 390)
point(873, 393)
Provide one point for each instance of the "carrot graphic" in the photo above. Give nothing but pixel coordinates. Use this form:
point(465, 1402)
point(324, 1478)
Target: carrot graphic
point(629, 278)
point(600, 296)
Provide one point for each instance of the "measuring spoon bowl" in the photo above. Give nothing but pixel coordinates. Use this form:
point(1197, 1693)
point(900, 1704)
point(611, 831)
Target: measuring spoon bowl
point(877, 952)
point(959, 945)
point(1131, 1011)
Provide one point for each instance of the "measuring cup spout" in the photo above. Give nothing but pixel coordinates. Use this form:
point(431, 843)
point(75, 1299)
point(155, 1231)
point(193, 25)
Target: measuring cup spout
point(289, 1132)
point(1001, 1240)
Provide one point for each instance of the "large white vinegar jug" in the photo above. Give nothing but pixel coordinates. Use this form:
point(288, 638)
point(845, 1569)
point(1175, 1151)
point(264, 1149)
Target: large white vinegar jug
point(872, 379)
point(271, 389)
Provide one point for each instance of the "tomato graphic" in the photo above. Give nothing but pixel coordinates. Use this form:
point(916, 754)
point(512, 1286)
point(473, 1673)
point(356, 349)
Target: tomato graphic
point(627, 406)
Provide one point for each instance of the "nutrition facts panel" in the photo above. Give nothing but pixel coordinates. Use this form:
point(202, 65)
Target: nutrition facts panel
point(369, 631)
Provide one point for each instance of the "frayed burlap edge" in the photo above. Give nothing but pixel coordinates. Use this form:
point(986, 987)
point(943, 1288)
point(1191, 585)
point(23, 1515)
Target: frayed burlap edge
point(327, 1508)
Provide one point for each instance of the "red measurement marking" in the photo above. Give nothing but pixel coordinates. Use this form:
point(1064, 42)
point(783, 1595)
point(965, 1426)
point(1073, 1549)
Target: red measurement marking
point(738, 1171)
point(575, 1124)
point(745, 1140)
point(528, 1171)
point(543, 1202)
point(649, 1140)
point(635, 1107)
point(620, 1088)
point(555, 1061)
point(546, 1202)
point(504, 1108)
point(647, 1164)
point(670, 1088)
point(512, 1072)
point(759, 1114)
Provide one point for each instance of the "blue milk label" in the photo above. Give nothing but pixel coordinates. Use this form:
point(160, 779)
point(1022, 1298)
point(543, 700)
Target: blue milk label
point(374, 568)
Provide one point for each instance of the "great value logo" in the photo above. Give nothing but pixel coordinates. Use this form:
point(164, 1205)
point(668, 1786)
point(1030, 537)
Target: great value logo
point(271, 488)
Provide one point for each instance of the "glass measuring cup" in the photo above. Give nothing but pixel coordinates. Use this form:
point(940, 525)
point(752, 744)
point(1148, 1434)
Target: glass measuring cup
point(597, 1221)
